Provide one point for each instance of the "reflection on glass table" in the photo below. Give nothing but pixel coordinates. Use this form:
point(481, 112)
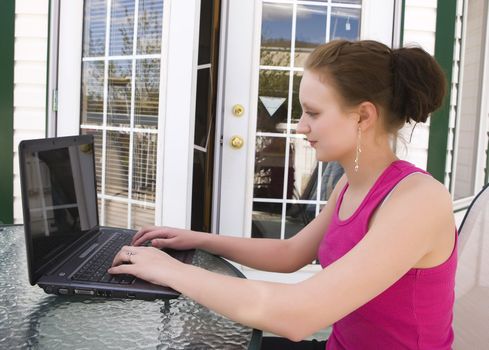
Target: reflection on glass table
point(29, 318)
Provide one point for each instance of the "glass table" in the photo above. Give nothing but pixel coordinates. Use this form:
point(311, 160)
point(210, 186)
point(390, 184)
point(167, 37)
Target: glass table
point(29, 318)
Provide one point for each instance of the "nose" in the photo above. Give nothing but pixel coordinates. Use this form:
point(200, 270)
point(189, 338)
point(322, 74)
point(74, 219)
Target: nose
point(302, 127)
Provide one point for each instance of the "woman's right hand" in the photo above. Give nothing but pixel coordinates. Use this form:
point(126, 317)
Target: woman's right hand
point(167, 237)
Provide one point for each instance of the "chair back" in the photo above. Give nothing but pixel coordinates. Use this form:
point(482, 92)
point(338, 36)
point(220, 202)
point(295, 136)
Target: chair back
point(471, 310)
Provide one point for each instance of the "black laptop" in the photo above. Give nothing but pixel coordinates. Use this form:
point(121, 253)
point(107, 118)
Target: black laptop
point(68, 253)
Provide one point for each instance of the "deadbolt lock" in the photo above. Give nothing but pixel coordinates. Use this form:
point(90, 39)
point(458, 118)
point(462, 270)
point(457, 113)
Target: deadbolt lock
point(238, 110)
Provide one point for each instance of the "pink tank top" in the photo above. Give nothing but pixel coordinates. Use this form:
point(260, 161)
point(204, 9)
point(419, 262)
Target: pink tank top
point(415, 312)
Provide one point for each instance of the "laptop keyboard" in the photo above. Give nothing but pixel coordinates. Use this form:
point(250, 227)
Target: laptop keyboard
point(95, 270)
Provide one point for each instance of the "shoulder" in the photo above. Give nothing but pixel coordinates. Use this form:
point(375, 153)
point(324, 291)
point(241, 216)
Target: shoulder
point(422, 188)
point(420, 204)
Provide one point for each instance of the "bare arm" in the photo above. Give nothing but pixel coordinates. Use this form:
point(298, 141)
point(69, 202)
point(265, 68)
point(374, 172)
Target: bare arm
point(382, 257)
point(259, 253)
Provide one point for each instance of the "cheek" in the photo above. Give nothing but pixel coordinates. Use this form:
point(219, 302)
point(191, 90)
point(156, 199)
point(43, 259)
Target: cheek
point(337, 139)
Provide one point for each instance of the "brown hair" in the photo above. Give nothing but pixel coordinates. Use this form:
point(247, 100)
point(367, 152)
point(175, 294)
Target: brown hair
point(406, 83)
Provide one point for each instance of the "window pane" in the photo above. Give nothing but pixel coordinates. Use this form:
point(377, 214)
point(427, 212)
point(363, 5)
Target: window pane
point(352, 2)
point(345, 23)
point(97, 138)
point(269, 167)
point(147, 93)
point(202, 123)
point(468, 125)
point(272, 101)
point(117, 164)
point(115, 213)
point(276, 33)
point(142, 215)
point(149, 26)
point(302, 166)
point(129, 105)
point(297, 217)
point(119, 98)
point(310, 31)
point(266, 220)
point(296, 105)
point(331, 173)
point(205, 31)
point(144, 167)
point(94, 28)
point(92, 99)
point(121, 27)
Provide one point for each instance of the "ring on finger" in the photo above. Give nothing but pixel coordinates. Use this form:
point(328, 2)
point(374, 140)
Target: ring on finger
point(129, 254)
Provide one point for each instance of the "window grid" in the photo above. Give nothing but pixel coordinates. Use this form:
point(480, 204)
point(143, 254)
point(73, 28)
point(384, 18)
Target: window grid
point(291, 69)
point(131, 130)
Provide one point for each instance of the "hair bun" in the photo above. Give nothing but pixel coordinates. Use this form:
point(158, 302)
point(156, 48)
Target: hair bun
point(418, 84)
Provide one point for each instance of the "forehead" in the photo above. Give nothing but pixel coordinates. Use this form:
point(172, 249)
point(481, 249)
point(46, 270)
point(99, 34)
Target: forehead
point(315, 89)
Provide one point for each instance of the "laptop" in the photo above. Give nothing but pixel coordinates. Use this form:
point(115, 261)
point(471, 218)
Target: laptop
point(68, 252)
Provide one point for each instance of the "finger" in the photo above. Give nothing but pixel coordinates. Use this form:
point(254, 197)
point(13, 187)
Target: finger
point(142, 232)
point(161, 243)
point(122, 269)
point(150, 236)
point(122, 256)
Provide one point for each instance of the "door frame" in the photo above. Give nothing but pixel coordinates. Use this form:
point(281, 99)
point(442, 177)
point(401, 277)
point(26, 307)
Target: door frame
point(179, 55)
point(245, 67)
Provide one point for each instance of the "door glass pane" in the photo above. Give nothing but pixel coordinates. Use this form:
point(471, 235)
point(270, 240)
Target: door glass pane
point(297, 216)
point(351, 2)
point(94, 24)
point(345, 23)
point(290, 186)
point(269, 167)
point(149, 26)
point(117, 164)
point(272, 101)
point(121, 27)
point(276, 34)
point(266, 220)
point(468, 126)
point(119, 95)
point(92, 97)
point(119, 105)
point(302, 166)
point(310, 31)
point(296, 112)
point(144, 168)
point(147, 93)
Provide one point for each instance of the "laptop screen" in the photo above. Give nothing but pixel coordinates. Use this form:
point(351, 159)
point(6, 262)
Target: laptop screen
point(61, 197)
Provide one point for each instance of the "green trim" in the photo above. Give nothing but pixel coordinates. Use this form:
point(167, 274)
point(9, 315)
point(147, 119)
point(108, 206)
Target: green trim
point(7, 25)
point(444, 45)
point(403, 12)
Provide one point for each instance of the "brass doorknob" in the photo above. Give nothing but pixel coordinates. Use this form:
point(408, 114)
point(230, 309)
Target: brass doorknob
point(237, 142)
point(238, 110)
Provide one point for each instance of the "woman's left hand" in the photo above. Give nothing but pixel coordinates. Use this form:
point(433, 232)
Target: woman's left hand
point(147, 263)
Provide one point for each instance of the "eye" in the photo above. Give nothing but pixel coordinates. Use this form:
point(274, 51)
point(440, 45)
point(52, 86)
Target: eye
point(311, 114)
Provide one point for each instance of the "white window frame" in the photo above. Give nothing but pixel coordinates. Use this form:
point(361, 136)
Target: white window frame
point(179, 54)
point(483, 111)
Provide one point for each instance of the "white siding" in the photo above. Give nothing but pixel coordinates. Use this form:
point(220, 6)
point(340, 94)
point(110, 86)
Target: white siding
point(419, 30)
point(31, 31)
point(455, 108)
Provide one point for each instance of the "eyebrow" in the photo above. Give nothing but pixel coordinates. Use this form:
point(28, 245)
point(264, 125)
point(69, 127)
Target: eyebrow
point(305, 105)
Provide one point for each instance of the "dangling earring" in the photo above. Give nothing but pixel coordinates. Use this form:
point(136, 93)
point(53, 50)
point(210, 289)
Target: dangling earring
point(359, 149)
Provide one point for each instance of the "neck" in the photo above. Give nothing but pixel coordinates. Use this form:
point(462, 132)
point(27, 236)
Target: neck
point(373, 161)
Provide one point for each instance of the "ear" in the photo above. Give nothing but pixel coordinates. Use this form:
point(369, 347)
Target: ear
point(368, 115)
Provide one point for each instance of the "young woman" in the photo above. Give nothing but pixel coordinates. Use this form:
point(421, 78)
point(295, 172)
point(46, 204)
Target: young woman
point(386, 238)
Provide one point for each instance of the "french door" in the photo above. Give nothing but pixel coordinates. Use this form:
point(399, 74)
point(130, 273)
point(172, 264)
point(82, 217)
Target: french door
point(271, 184)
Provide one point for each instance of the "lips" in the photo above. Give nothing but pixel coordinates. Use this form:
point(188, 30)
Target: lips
point(312, 143)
